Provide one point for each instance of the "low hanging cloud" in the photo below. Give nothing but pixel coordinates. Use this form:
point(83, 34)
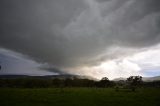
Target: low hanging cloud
point(75, 33)
point(14, 63)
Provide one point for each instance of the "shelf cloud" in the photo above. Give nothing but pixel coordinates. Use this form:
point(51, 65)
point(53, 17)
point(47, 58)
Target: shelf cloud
point(70, 34)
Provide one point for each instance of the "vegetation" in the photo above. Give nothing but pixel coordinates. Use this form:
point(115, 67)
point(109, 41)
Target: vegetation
point(134, 80)
point(78, 92)
point(44, 83)
point(78, 97)
point(132, 83)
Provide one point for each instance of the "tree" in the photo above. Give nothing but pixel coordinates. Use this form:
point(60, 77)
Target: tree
point(104, 82)
point(104, 79)
point(134, 81)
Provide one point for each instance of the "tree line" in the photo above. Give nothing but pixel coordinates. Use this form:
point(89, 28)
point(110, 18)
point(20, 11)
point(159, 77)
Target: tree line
point(131, 83)
point(56, 82)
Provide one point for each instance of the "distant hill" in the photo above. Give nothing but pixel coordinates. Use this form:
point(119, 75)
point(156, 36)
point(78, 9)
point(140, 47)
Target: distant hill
point(151, 78)
point(47, 76)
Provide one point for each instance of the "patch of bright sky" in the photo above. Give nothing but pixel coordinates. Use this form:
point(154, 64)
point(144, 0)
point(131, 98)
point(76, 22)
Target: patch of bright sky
point(146, 63)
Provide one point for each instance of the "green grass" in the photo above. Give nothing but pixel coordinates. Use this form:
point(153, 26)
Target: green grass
point(78, 97)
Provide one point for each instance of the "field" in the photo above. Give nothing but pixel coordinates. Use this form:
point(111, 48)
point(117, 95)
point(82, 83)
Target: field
point(78, 97)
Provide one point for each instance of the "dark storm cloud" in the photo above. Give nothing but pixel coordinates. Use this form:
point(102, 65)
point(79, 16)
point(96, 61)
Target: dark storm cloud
point(69, 33)
point(55, 70)
point(138, 23)
point(31, 27)
point(102, 0)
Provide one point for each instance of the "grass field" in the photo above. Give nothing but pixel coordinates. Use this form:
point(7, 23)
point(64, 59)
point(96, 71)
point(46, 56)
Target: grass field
point(78, 97)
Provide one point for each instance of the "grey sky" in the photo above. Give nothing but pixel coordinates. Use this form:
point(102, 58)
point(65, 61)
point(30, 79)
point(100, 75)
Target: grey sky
point(77, 33)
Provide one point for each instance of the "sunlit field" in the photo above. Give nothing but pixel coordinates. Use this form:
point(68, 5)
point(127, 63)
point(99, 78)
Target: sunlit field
point(79, 97)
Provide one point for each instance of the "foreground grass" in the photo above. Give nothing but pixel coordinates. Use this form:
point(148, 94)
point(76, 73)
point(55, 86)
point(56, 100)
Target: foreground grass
point(78, 97)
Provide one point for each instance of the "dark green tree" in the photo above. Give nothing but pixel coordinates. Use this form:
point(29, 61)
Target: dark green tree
point(134, 82)
point(104, 82)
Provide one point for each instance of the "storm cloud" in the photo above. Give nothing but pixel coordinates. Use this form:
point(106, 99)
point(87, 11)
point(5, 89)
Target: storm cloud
point(75, 33)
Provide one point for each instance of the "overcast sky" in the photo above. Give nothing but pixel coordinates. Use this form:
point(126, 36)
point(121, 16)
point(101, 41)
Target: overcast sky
point(98, 38)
